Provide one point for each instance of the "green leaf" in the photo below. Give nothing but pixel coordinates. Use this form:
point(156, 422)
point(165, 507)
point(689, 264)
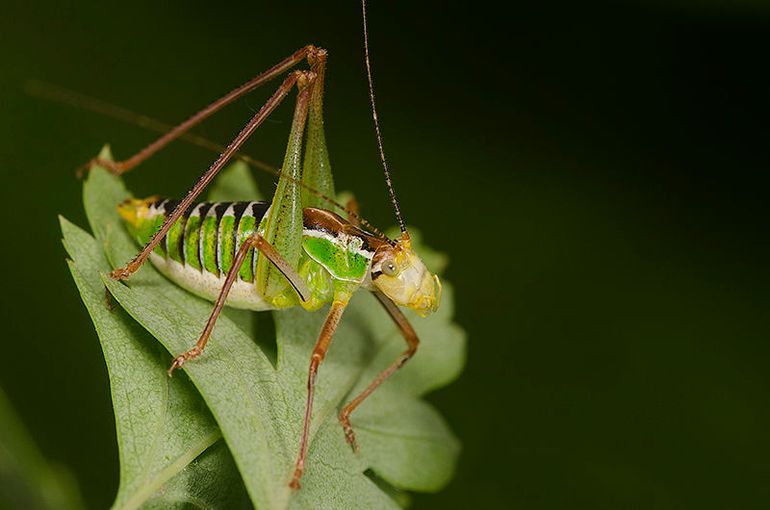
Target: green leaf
point(259, 407)
point(201, 484)
point(162, 424)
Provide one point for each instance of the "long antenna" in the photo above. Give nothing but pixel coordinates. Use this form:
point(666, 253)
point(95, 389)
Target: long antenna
point(404, 233)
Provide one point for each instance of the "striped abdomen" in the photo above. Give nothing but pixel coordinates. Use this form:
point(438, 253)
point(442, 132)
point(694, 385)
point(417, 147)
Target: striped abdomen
point(205, 238)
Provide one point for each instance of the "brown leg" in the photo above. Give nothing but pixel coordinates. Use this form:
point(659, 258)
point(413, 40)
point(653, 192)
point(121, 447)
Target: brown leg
point(302, 79)
point(411, 340)
point(120, 167)
point(319, 352)
point(258, 242)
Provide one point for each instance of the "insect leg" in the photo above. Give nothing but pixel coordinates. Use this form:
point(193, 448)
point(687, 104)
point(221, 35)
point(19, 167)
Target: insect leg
point(412, 342)
point(316, 171)
point(258, 242)
point(120, 167)
point(283, 226)
point(341, 300)
point(123, 273)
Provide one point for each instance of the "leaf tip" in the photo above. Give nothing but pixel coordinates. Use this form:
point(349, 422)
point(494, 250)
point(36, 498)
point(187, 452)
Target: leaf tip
point(106, 153)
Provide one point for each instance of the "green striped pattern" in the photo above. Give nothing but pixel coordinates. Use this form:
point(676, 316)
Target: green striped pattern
point(206, 238)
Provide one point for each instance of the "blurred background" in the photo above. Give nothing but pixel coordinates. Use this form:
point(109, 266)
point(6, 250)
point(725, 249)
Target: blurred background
point(598, 175)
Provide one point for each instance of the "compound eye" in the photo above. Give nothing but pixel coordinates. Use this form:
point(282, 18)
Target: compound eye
point(389, 267)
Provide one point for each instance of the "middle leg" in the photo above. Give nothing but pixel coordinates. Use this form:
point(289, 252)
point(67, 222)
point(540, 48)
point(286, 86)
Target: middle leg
point(340, 302)
point(266, 250)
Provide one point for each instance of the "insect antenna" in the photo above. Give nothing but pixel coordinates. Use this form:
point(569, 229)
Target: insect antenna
point(58, 94)
point(404, 233)
point(62, 95)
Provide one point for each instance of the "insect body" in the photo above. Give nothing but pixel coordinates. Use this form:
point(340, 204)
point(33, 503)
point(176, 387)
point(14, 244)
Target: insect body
point(200, 248)
point(290, 252)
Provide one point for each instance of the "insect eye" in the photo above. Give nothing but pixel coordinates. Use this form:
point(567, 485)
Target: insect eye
point(389, 267)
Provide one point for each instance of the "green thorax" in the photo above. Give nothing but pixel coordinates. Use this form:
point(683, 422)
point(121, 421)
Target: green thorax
point(341, 254)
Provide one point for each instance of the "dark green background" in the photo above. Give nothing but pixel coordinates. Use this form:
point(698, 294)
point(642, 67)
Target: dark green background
point(598, 175)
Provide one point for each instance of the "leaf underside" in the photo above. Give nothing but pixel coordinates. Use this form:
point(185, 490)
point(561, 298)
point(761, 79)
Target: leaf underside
point(169, 430)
